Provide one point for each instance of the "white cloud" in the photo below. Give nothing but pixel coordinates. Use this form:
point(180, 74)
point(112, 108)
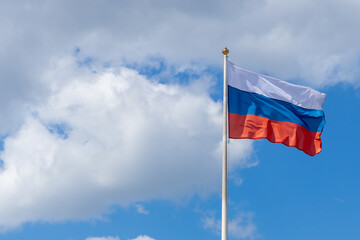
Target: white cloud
point(141, 209)
point(140, 237)
point(103, 238)
point(211, 223)
point(241, 227)
point(143, 237)
point(111, 138)
point(316, 41)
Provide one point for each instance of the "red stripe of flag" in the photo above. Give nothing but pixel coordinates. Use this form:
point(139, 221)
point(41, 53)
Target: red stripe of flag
point(290, 134)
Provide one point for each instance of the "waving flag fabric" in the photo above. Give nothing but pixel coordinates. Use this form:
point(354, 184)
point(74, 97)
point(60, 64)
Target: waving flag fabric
point(264, 107)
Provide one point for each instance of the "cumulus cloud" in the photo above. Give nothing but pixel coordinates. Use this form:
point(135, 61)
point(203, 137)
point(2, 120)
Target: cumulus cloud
point(141, 209)
point(143, 237)
point(103, 238)
point(312, 41)
point(109, 138)
point(240, 227)
point(273, 33)
point(140, 237)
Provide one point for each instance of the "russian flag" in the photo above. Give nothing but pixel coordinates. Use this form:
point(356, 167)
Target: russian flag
point(260, 106)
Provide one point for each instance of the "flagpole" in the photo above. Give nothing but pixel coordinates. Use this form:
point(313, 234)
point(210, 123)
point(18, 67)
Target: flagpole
point(225, 51)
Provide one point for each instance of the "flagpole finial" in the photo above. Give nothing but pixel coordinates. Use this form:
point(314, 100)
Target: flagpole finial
point(225, 51)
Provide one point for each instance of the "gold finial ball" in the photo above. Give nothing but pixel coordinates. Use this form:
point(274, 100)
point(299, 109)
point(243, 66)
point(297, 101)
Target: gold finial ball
point(225, 51)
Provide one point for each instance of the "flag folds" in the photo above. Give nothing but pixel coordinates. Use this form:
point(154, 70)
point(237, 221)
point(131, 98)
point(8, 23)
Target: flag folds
point(260, 106)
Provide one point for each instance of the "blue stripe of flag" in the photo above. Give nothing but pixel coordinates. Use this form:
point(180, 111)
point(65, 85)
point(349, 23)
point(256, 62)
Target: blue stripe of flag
point(244, 103)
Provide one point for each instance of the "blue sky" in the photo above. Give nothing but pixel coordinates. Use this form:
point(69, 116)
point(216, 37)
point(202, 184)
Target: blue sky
point(111, 120)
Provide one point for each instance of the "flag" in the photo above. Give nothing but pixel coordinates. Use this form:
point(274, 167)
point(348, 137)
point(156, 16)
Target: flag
point(260, 106)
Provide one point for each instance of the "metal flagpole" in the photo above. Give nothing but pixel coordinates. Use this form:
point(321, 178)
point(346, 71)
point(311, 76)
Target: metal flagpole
point(225, 51)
